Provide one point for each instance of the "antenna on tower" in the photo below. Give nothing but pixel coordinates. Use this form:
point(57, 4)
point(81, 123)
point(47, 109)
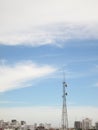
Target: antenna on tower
point(63, 75)
point(64, 107)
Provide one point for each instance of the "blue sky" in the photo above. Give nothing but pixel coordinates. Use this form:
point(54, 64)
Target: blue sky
point(38, 41)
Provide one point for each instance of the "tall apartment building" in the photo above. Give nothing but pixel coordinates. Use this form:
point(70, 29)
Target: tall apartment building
point(86, 124)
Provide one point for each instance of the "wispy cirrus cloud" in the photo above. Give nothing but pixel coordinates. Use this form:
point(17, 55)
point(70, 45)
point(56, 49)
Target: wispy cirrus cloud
point(34, 23)
point(12, 102)
point(17, 75)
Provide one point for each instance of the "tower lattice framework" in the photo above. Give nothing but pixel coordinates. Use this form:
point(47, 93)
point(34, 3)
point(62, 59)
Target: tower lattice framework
point(64, 108)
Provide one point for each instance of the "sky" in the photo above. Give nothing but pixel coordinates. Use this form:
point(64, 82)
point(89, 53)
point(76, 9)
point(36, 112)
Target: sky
point(39, 41)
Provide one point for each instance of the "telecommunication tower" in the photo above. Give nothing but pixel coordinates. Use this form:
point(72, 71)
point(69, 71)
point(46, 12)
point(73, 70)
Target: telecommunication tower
point(64, 107)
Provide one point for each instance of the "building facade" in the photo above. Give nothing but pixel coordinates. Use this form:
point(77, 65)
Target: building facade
point(78, 125)
point(96, 125)
point(87, 124)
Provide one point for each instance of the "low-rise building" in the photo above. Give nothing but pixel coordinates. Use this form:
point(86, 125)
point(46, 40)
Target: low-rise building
point(78, 125)
point(96, 125)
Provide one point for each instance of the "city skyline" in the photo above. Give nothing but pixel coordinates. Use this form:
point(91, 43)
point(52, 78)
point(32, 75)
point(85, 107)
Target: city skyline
point(38, 41)
point(84, 124)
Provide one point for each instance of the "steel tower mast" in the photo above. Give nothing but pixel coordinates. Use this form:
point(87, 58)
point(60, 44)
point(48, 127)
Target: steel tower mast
point(64, 107)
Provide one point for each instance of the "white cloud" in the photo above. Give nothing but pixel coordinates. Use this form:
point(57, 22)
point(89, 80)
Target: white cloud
point(26, 13)
point(49, 114)
point(20, 21)
point(18, 75)
point(56, 34)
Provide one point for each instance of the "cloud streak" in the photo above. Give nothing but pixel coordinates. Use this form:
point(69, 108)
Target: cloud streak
point(56, 34)
point(17, 75)
point(12, 102)
point(35, 23)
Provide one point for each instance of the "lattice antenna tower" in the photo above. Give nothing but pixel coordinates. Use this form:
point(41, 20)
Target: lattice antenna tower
point(64, 106)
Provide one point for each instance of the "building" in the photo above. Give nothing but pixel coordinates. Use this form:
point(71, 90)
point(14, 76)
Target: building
point(1, 123)
point(23, 123)
point(96, 125)
point(47, 126)
point(87, 124)
point(14, 124)
point(78, 125)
